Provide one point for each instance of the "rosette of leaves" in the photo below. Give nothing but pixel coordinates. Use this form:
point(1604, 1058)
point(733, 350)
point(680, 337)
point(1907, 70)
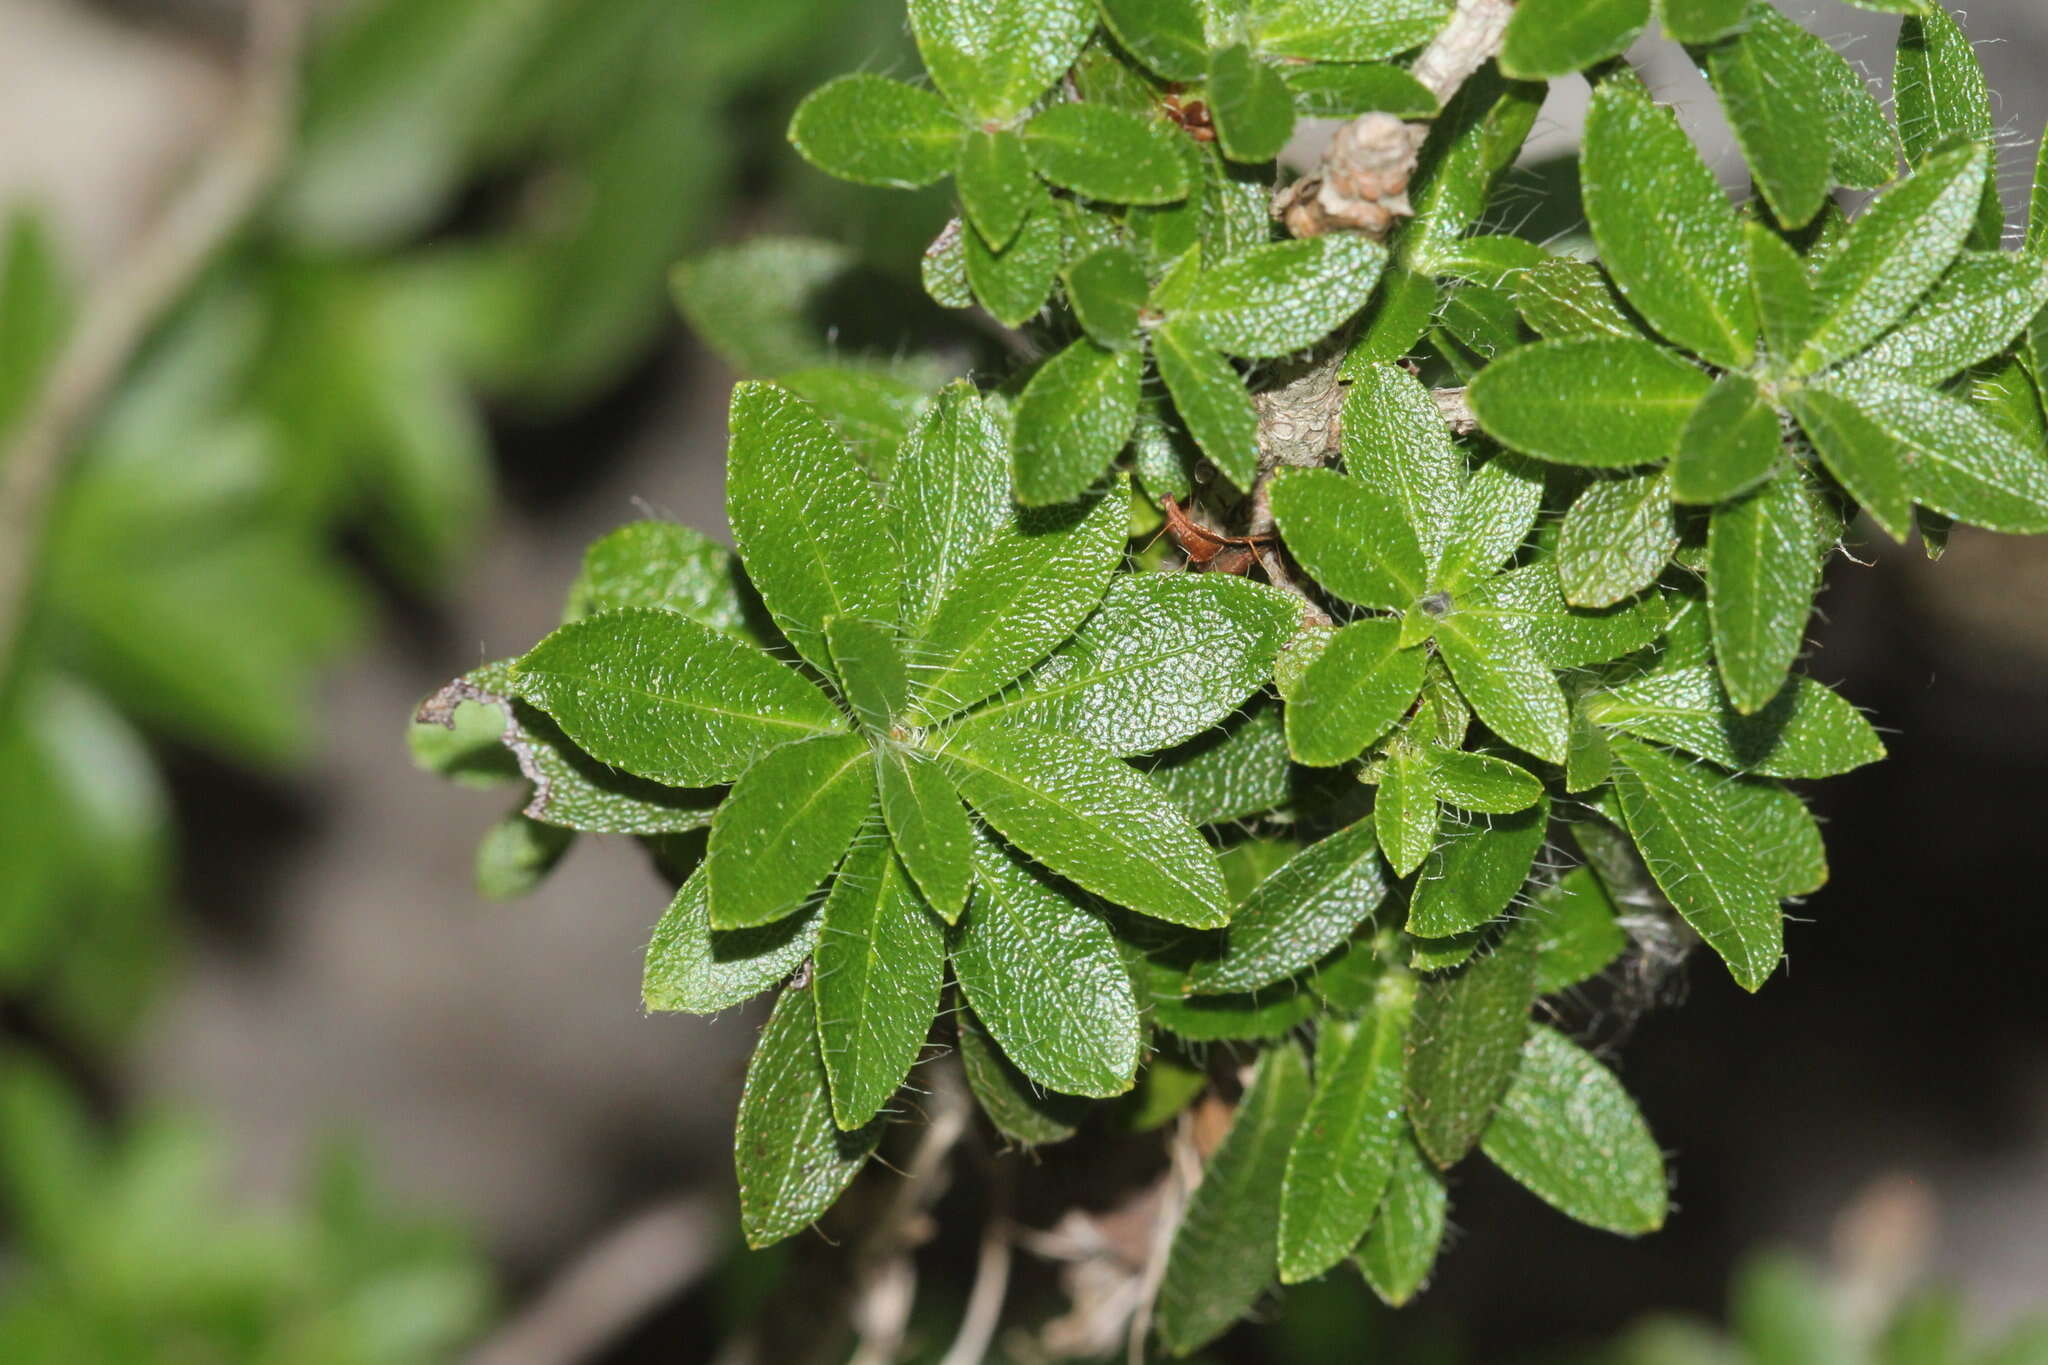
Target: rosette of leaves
point(938, 651)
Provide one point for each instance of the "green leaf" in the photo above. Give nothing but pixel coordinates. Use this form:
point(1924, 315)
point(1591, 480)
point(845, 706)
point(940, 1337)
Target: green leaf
point(1496, 511)
point(1401, 1248)
point(1299, 914)
point(700, 970)
point(1238, 769)
point(876, 131)
point(1955, 457)
point(1073, 418)
point(1783, 291)
point(1483, 783)
point(516, 855)
point(1273, 300)
point(1783, 1313)
point(1349, 538)
point(1104, 153)
point(805, 519)
point(1338, 90)
point(1665, 229)
point(36, 309)
point(1761, 577)
point(1012, 284)
point(1702, 21)
point(1210, 396)
point(1355, 691)
point(1731, 445)
point(994, 61)
point(1564, 298)
point(1225, 1250)
point(1938, 85)
point(1893, 252)
point(1860, 452)
point(1347, 30)
point(1045, 976)
point(868, 659)
point(1339, 1165)
point(1476, 870)
point(1480, 133)
point(1580, 938)
point(1405, 813)
point(1107, 289)
point(1805, 731)
point(1395, 440)
point(929, 828)
point(997, 188)
point(667, 699)
point(1506, 682)
point(1022, 1110)
point(751, 301)
point(1769, 86)
point(1013, 595)
point(1604, 402)
point(1865, 149)
point(793, 1161)
point(1530, 602)
point(1393, 326)
point(1971, 315)
point(880, 961)
point(1166, 35)
point(1465, 1044)
point(1090, 819)
point(785, 826)
point(1568, 1133)
point(1166, 657)
point(1252, 107)
point(943, 267)
point(1689, 822)
point(661, 564)
point(1617, 537)
point(1550, 38)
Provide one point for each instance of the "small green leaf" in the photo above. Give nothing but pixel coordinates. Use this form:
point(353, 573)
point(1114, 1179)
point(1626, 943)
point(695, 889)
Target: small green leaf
point(1342, 90)
point(1691, 824)
point(669, 700)
point(1530, 602)
point(1022, 1110)
point(1108, 289)
point(1580, 937)
point(1956, 458)
point(806, 519)
point(1045, 976)
point(1395, 441)
point(943, 267)
point(1405, 812)
point(948, 494)
point(1604, 402)
point(516, 855)
point(1339, 1165)
point(1702, 21)
point(1074, 416)
point(1783, 1313)
point(1238, 769)
point(1730, 446)
point(1761, 578)
point(997, 188)
point(994, 61)
point(1476, 871)
point(1470, 146)
point(1805, 731)
point(1496, 510)
point(1166, 657)
point(1665, 228)
point(875, 131)
point(1352, 540)
point(700, 970)
point(793, 1161)
point(929, 828)
point(1938, 85)
point(1568, 1133)
point(1013, 283)
point(1770, 88)
point(1251, 105)
point(868, 659)
point(880, 961)
point(1865, 149)
point(1355, 691)
point(1894, 251)
point(1226, 1248)
point(1860, 452)
point(785, 827)
point(1563, 298)
point(1299, 914)
point(1783, 291)
point(1347, 30)
point(1483, 783)
point(661, 564)
point(1465, 1044)
point(1619, 535)
point(1272, 300)
point(1166, 35)
point(1972, 314)
point(1391, 328)
point(1506, 682)
point(1108, 154)
point(1090, 819)
point(1586, 760)
point(1212, 400)
point(1550, 38)
point(1401, 1248)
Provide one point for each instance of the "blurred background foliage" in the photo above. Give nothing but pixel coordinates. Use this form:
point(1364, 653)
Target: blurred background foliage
point(462, 273)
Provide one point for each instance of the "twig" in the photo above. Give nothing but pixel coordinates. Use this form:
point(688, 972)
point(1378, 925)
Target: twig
point(613, 1285)
point(231, 182)
point(991, 1278)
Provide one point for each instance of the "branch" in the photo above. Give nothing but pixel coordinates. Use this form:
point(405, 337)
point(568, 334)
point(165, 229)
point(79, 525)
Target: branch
point(125, 309)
